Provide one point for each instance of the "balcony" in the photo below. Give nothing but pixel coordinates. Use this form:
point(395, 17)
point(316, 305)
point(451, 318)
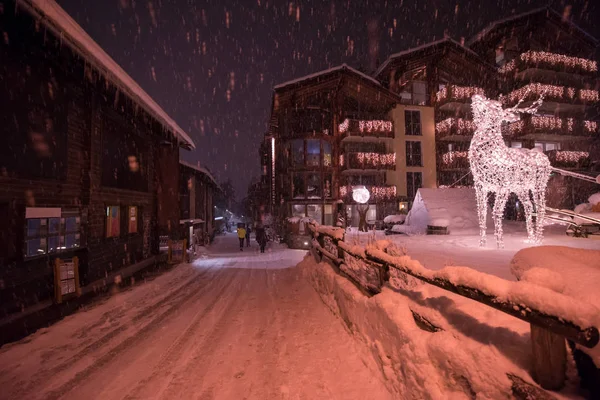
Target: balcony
point(454, 98)
point(555, 96)
point(455, 129)
point(569, 159)
point(454, 160)
point(536, 126)
point(366, 161)
point(541, 63)
point(366, 128)
point(378, 193)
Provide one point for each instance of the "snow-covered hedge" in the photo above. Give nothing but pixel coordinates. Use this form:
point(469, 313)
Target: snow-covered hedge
point(395, 219)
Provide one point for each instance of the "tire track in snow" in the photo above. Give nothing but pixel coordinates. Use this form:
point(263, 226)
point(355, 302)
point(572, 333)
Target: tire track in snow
point(45, 375)
point(129, 342)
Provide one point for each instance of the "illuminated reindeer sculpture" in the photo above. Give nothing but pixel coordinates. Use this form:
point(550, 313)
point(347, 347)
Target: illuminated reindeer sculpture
point(501, 170)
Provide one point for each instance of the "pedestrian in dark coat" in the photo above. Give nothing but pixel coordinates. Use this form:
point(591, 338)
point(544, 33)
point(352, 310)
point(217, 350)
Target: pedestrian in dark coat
point(261, 238)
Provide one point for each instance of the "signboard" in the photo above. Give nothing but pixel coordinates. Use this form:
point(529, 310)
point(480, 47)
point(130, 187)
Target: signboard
point(66, 278)
point(177, 251)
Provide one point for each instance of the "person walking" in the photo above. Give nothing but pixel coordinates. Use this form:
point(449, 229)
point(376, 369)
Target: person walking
point(261, 238)
point(241, 235)
point(248, 232)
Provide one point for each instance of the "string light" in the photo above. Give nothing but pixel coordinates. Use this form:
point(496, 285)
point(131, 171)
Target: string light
point(552, 92)
point(378, 193)
point(370, 160)
point(590, 126)
point(460, 125)
point(366, 126)
point(547, 123)
point(457, 92)
point(499, 169)
point(568, 157)
point(588, 95)
point(551, 59)
point(452, 156)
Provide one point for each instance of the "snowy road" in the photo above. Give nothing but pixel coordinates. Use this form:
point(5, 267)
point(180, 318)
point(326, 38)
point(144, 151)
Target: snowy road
point(234, 325)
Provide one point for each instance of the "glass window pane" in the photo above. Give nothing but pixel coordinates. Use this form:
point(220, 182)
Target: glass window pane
point(53, 225)
point(72, 240)
point(299, 210)
point(314, 190)
point(298, 186)
point(113, 221)
point(35, 247)
point(34, 227)
point(314, 211)
point(298, 152)
point(53, 244)
point(327, 154)
point(327, 186)
point(71, 224)
point(313, 152)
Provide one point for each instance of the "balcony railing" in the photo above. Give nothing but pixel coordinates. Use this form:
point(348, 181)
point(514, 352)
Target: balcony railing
point(569, 159)
point(377, 193)
point(455, 160)
point(550, 61)
point(385, 161)
point(371, 128)
point(551, 125)
point(454, 126)
point(457, 94)
point(552, 93)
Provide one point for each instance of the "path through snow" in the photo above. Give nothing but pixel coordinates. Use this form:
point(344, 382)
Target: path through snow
point(233, 325)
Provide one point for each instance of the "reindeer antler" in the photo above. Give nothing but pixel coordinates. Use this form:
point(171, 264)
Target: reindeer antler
point(532, 109)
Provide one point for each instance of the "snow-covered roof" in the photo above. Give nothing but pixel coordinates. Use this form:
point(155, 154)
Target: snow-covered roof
point(57, 19)
point(200, 169)
point(494, 24)
point(422, 47)
point(327, 71)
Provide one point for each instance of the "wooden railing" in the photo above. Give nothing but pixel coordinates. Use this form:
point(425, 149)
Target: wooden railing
point(548, 330)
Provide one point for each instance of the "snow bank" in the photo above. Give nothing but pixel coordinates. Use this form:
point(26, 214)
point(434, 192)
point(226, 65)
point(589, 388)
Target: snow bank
point(454, 363)
point(579, 270)
point(395, 219)
point(456, 208)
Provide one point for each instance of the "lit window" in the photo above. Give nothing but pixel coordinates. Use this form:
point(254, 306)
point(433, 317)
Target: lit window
point(47, 231)
point(133, 219)
point(113, 221)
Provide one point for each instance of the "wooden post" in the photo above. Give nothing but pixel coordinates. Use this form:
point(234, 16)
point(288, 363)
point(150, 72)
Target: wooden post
point(76, 271)
point(57, 288)
point(549, 358)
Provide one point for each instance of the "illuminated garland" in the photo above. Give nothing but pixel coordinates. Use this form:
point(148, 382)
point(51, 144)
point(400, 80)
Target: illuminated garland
point(550, 91)
point(590, 126)
point(373, 160)
point(367, 126)
point(546, 123)
point(501, 170)
point(452, 156)
point(553, 59)
point(463, 126)
point(377, 192)
point(457, 92)
point(568, 157)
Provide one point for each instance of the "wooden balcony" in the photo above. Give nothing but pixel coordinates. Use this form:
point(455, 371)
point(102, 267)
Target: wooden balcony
point(540, 62)
point(454, 160)
point(368, 161)
point(569, 159)
point(455, 98)
point(536, 126)
point(374, 128)
point(455, 129)
point(377, 193)
point(555, 97)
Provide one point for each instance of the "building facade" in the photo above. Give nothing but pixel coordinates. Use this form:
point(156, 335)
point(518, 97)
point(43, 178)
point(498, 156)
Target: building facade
point(84, 153)
point(197, 192)
point(337, 130)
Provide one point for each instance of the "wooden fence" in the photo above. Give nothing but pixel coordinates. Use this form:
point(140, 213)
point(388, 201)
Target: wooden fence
point(548, 332)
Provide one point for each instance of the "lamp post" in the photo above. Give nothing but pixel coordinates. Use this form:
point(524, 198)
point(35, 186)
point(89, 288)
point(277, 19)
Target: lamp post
point(361, 195)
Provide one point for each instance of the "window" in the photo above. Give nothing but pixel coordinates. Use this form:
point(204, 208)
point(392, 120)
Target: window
point(516, 145)
point(299, 210)
point(412, 120)
point(47, 231)
point(328, 214)
point(419, 93)
point(133, 219)
point(413, 154)
point(314, 189)
point(315, 211)
point(547, 146)
point(327, 186)
point(123, 158)
point(313, 152)
point(326, 154)
point(298, 188)
point(414, 180)
point(298, 152)
point(113, 221)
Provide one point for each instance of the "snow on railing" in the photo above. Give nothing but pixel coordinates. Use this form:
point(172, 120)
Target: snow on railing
point(552, 316)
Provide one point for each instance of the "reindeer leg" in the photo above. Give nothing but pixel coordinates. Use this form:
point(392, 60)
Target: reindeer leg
point(528, 206)
point(540, 209)
point(499, 204)
point(481, 196)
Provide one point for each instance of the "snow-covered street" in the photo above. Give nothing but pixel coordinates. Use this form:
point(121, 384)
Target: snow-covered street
point(231, 325)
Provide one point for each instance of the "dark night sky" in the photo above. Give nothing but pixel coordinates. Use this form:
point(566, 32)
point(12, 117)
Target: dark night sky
point(212, 64)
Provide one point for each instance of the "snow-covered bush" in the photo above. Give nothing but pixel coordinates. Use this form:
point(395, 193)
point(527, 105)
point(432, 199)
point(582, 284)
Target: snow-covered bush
point(395, 219)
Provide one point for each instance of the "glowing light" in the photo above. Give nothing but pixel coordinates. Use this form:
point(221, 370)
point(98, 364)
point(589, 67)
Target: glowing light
point(366, 126)
point(590, 126)
point(452, 156)
point(360, 194)
point(457, 92)
point(460, 125)
point(568, 157)
point(552, 92)
point(369, 160)
point(502, 170)
point(588, 95)
point(377, 192)
point(553, 60)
